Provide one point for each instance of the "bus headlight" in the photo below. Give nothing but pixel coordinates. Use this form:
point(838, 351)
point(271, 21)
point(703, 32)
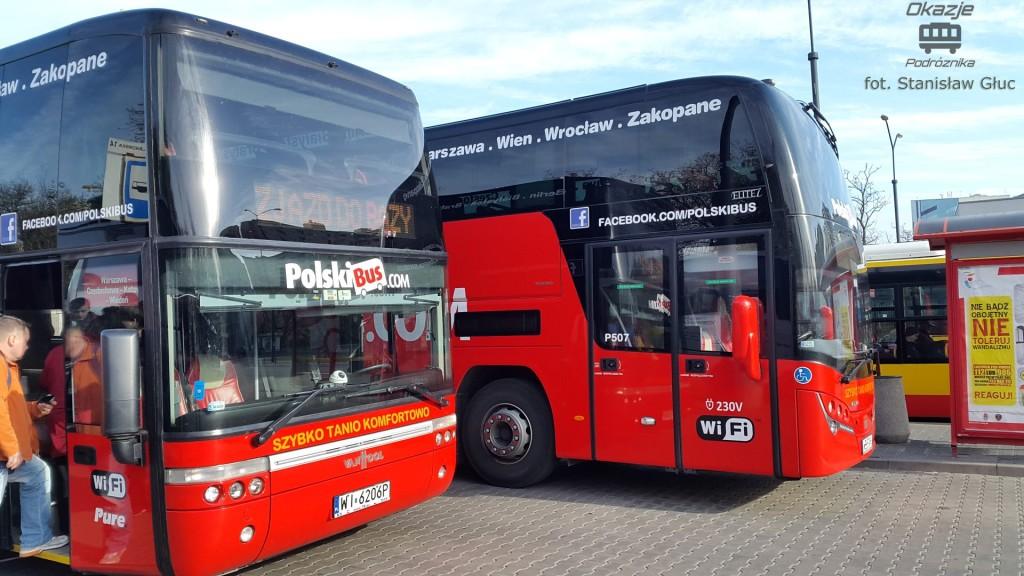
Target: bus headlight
point(247, 533)
point(236, 490)
point(255, 486)
point(212, 494)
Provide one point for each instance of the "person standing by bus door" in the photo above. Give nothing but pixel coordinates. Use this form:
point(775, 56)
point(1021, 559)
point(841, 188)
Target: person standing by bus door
point(19, 445)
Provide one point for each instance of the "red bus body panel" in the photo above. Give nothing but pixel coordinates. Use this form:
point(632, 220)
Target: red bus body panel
point(530, 274)
point(112, 528)
point(724, 390)
point(822, 452)
point(640, 388)
point(515, 262)
point(295, 507)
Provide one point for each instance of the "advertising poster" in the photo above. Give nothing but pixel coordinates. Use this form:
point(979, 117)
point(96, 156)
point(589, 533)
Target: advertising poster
point(994, 323)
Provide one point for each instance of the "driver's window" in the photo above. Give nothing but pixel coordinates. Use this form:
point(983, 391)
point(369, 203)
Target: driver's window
point(712, 273)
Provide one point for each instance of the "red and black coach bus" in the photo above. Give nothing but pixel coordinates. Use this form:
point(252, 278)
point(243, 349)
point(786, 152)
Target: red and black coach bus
point(664, 275)
point(233, 268)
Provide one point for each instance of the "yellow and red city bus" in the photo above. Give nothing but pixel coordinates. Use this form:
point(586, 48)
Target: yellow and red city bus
point(909, 320)
point(233, 241)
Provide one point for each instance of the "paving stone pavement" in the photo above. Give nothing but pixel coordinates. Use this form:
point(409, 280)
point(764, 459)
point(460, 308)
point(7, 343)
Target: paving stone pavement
point(929, 450)
point(608, 520)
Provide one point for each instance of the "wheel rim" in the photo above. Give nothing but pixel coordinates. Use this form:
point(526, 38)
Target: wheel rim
point(506, 432)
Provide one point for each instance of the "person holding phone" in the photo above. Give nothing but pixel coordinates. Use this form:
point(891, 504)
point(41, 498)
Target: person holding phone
point(52, 382)
point(19, 445)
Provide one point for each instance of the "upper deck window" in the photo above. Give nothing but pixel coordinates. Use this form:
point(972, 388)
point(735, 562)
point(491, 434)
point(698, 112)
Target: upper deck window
point(73, 146)
point(655, 146)
point(259, 147)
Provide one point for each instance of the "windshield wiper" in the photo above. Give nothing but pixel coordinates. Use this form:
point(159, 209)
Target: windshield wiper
point(426, 298)
point(412, 388)
point(854, 365)
point(823, 124)
point(283, 419)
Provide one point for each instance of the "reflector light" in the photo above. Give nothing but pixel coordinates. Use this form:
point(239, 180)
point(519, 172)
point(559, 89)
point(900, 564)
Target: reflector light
point(247, 533)
point(441, 472)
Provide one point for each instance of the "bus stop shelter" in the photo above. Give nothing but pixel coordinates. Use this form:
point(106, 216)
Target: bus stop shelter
point(985, 290)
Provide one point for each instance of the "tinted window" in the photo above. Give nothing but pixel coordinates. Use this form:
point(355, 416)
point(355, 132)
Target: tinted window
point(249, 329)
point(632, 308)
point(910, 322)
point(926, 340)
point(713, 274)
point(673, 145)
point(103, 293)
point(883, 303)
point(813, 181)
point(494, 172)
point(102, 143)
point(830, 321)
point(260, 147)
point(74, 168)
point(32, 292)
point(30, 119)
point(667, 145)
point(924, 300)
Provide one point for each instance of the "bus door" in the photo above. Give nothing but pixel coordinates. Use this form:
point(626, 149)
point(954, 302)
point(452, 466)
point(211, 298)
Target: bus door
point(724, 392)
point(110, 500)
point(32, 293)
point(631, 312)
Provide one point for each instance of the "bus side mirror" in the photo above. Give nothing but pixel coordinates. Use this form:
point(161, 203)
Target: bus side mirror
point(122, 421)
point(746, 334)
point(828, 323)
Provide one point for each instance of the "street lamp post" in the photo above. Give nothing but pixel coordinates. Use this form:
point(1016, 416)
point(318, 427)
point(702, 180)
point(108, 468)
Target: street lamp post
point(895, 198)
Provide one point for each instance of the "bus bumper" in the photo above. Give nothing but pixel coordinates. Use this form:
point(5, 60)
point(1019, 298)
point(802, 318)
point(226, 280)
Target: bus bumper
point(832, 439)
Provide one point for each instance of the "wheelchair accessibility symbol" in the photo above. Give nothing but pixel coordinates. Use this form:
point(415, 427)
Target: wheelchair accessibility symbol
point(803, 375)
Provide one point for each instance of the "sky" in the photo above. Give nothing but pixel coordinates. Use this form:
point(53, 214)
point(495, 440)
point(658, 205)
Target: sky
point(466, 59)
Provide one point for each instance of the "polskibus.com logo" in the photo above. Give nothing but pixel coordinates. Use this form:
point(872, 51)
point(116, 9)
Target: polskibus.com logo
point(940, 35)
point(362, 277)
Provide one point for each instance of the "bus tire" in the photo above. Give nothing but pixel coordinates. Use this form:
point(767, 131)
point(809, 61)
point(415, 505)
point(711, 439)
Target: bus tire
point(508, 435)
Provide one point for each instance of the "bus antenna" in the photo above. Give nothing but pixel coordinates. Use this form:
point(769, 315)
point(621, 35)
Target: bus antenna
point(812, 57)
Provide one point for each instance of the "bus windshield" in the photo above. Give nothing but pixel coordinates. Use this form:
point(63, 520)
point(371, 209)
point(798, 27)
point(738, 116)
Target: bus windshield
point(830, 286)
point(253, 146)
point(250, 331)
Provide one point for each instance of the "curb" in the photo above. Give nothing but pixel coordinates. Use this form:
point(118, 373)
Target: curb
point(1007, 469)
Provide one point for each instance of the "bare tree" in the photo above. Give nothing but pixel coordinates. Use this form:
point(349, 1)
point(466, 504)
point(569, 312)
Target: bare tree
point(868, 201)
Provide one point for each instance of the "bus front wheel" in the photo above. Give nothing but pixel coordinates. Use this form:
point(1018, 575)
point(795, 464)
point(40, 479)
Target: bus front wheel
point(508, 436)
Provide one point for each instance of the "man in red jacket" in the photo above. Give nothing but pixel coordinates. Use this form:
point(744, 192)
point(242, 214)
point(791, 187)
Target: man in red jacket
point(19, 445)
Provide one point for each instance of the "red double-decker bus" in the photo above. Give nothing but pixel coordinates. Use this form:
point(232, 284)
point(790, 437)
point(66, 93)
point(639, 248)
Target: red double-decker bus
point(232, 265)
point(665, 275)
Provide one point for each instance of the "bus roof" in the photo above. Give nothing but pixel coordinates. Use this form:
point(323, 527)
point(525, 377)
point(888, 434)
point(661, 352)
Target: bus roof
point(584, 103)
point(902, 254)
point(155, 21)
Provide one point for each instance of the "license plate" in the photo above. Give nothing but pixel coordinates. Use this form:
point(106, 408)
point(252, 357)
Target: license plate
point(867, 443)
point(361, 499)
